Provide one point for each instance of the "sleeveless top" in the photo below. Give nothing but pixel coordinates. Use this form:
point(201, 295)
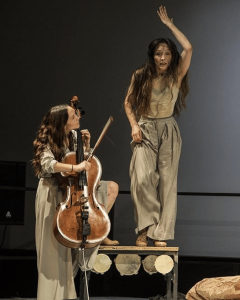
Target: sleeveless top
point(162, 102)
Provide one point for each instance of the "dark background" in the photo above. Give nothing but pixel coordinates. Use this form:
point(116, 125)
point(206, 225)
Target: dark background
point(51, 50)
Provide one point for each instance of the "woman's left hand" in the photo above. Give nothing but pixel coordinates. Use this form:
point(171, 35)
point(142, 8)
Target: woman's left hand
point(86, 137)
point(162, 12)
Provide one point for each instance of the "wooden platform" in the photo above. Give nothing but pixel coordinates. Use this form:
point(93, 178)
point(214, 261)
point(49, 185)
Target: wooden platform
point(172, 251)
point(137, 250)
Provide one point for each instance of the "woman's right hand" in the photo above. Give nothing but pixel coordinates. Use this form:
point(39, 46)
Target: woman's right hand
point(85, 165)
point(136, 133)
point(162, 13)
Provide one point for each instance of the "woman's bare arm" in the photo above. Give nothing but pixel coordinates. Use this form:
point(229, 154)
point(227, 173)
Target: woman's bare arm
point(186, 54)
point(136, 131)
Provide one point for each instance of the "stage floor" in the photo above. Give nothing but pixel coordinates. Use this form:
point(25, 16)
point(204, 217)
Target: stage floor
point(91, 298)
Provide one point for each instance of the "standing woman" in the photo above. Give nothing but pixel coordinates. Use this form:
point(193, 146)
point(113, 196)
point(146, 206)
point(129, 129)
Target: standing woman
point(54, 139)
point(156, 93)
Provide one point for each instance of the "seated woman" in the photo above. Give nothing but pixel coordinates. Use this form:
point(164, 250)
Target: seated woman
point(56, 137)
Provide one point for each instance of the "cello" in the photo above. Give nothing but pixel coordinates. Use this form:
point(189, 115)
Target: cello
point(80, 221)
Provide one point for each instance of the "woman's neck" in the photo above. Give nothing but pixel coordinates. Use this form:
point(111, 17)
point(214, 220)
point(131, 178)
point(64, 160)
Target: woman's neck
point(160, 74)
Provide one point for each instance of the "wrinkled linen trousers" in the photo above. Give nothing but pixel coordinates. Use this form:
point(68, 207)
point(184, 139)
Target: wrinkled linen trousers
point(153, 173)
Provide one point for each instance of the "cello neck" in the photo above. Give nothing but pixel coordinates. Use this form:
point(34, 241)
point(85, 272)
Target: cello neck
point(82, 182)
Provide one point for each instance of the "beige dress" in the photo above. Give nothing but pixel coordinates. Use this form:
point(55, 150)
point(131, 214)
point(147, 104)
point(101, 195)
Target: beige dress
point(154, 167)
point(54, 261)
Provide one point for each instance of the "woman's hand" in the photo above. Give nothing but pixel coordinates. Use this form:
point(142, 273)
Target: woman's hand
point(162, 12)
point(136, 134)
point(85, 165)
point(86, 137)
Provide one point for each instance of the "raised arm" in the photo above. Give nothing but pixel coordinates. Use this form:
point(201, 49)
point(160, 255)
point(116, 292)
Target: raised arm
point(181, 38)
point(136, 131)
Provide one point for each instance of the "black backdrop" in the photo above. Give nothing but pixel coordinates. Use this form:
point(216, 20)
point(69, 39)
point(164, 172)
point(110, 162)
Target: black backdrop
point(51, 50)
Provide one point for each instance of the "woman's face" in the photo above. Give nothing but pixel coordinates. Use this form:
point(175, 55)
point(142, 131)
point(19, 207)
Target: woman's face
point(73, 120)
point(162, 58)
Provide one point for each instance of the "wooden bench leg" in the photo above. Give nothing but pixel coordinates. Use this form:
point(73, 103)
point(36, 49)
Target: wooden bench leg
point(168, 278)
point(175, 277)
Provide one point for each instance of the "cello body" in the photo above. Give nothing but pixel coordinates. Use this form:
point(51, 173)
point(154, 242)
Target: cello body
point(68, 222)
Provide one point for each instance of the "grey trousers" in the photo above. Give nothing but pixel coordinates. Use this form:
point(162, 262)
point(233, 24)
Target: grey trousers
point(153, 173)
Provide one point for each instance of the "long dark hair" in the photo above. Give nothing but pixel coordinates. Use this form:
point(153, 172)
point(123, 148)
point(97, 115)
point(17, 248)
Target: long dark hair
point(51, 134)
point(142, 80)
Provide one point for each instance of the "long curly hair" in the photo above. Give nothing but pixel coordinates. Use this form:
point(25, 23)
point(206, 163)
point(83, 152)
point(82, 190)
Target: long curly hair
point(142, 84)
point(51, 134)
